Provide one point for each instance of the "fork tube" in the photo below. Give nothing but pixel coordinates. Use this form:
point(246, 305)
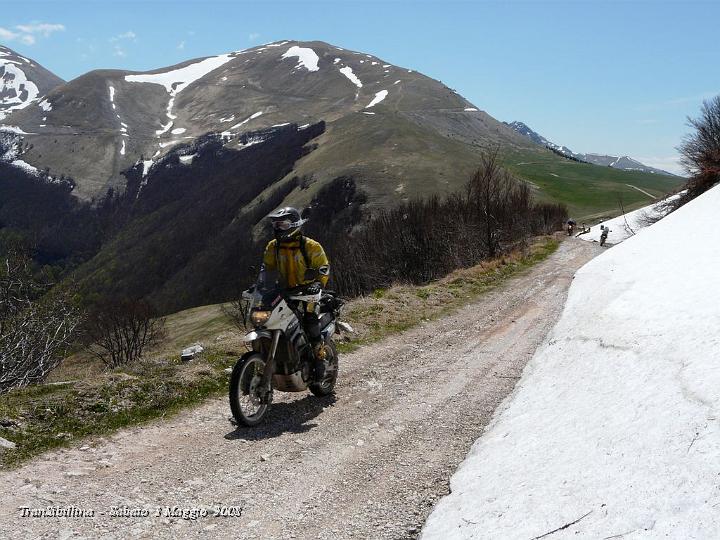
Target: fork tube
point(270, 363)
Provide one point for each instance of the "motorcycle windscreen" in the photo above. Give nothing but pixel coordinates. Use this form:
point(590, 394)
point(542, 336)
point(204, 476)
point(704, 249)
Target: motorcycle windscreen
point(267, 289)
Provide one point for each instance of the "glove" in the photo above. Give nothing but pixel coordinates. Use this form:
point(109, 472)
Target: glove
point(313, 288)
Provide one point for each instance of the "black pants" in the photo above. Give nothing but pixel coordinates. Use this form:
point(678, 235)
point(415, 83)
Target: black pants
point(311, 324)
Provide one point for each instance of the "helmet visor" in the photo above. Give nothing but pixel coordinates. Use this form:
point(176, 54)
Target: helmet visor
point(282, 224)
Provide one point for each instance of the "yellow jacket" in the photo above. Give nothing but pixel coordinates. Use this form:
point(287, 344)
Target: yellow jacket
point(289, 260)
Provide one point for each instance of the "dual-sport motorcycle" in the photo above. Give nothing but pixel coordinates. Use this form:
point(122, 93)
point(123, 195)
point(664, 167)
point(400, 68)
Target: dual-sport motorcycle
point(280, 355)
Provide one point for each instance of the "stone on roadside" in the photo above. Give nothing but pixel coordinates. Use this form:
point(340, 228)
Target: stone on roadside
point(4, 443)
point(191, 352)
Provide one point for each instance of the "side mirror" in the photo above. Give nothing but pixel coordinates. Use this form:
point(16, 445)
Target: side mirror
point(311, 274)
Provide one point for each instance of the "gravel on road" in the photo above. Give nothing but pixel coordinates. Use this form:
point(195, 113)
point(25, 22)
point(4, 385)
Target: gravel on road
point(369, 462)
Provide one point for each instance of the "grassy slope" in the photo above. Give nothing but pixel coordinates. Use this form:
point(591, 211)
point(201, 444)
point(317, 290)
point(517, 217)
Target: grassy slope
point(55, 415)
point(393, 158)
point(591, 192)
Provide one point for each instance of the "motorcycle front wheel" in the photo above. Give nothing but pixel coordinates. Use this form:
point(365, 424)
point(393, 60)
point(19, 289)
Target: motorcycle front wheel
point(326, 386)
point(245, 400)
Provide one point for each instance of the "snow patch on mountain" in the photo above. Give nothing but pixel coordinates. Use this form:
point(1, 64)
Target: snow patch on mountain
point(348, 72)
point(16, 90)
point(379, 96)
point(187, 160)
point(612, 430)
point(251, 117)
point(11, 143)
point(307, 58)
point(470, 109)
point(45, 105)
point(176, 80)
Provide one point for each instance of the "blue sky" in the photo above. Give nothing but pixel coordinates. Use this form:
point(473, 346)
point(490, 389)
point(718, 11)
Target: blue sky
point(609, 77)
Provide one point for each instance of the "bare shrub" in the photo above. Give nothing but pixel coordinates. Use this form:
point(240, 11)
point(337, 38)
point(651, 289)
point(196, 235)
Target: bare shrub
point(237, 312)
point(118, 331)
point(36, 324)
point(701, 150)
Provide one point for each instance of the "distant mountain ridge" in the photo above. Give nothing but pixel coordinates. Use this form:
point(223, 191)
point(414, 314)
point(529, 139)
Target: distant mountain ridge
point(385, 123)
point(624, 163)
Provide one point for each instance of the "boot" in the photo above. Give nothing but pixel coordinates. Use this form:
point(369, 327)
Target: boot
point(320, 354)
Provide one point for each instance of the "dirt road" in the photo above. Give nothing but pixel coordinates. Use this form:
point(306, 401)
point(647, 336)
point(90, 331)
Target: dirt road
point(369, 463)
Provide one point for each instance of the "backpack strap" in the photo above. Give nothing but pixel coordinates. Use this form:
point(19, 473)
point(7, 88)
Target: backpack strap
point(303, 250)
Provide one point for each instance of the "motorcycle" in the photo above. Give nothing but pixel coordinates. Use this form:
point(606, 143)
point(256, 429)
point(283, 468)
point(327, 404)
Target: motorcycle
point(604, 235)
point(280, 356)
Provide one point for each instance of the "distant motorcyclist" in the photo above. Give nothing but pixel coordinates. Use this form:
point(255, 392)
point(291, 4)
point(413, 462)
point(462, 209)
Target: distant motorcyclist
point(291, 253)
point(604, 234)
point(570, 226)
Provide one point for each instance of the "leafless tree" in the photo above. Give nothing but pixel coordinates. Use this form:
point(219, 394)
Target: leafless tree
point(701, 150)
point(36, 324)
point(118, 331)
point(237, 312)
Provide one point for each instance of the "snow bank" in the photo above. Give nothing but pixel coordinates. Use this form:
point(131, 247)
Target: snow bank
point(615, 420)
point(379, 96)
point(623, 227)
point(306, 56)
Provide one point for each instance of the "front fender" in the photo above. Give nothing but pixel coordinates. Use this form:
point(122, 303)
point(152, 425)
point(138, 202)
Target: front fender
point(257, 334)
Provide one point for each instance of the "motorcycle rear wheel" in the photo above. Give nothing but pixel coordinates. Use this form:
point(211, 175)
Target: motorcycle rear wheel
point(245, 402)
point(326, 386)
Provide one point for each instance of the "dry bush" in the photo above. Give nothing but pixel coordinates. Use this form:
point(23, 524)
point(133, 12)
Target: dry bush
point(118, 331)
point(36, 326)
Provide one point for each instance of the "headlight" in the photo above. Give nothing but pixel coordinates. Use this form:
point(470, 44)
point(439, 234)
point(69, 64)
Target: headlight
point(259, 318)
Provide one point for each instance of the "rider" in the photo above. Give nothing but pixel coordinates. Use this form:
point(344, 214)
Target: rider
point(570, 226)
point(604, 234)
point(291, 253)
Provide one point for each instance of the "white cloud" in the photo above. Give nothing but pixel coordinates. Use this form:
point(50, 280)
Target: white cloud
point(118, 51)
point(253, 36)
point(26, 33)
point(181, 45)
point(44, 29)
point(8, 35)
point(129, 35)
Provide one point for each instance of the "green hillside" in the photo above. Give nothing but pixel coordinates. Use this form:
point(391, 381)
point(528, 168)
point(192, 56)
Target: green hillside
point(591, 192)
